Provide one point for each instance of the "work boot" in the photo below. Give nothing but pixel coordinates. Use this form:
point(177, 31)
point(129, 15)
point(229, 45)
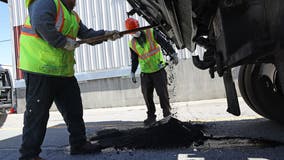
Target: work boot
point(150, 121)
point(86, 148)
point(166, 113)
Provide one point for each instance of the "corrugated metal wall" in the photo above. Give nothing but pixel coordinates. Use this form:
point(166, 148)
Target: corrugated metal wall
point(108, 15)
point(97, 14)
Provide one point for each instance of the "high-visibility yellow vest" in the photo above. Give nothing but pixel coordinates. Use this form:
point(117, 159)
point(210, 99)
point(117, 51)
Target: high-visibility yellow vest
point(28, 2)
point(37, 56)
point(150, 56)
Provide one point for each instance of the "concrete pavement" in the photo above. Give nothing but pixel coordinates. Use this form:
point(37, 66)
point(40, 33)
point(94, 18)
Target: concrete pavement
point(55, 145)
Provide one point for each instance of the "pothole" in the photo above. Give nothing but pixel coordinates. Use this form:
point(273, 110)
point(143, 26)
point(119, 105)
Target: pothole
point(172, 133)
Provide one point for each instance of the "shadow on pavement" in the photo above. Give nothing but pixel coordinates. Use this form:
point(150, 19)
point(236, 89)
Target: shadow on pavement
point(56, 141)
point(255, 128)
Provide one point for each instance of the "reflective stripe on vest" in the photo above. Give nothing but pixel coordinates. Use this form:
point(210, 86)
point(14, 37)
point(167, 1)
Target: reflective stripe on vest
point(149, 56)
point(151, 38)
point(38, 56)
point(28, 30)
point(28, 2)
point(152, 52)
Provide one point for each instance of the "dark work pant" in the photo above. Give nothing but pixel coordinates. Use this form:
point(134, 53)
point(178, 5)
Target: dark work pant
point(41, 92)
point(157, 81)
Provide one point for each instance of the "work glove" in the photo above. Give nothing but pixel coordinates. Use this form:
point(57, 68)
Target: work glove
point(115, 35)
point(133, 78)
point(71, 44)
point(174, 58)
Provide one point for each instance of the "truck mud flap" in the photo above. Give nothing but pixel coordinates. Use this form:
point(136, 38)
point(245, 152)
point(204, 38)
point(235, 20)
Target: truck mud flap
point(232, 98)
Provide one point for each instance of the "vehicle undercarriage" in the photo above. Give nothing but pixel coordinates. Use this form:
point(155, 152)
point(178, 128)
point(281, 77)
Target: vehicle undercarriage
point(245, 33)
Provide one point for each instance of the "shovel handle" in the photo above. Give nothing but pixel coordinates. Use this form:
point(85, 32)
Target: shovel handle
point(106, 37)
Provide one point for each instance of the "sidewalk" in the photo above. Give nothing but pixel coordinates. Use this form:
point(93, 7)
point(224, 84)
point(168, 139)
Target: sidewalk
point(56, 140)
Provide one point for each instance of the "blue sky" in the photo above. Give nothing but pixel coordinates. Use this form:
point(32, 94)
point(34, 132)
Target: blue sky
point(5, 34)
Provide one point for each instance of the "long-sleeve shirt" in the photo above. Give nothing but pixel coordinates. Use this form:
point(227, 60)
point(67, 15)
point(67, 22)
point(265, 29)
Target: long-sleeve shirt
point(141, 40)
point(43, 15)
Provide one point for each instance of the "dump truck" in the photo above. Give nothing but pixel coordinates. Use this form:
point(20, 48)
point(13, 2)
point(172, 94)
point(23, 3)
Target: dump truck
point(6, 94)
point(244, 34)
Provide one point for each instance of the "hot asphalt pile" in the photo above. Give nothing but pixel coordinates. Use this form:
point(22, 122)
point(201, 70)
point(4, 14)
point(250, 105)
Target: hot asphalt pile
point(167, 133)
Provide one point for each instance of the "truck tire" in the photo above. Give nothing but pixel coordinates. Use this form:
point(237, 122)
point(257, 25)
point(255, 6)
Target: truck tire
point(245, 83)
point(263, 91)
point(242, 88)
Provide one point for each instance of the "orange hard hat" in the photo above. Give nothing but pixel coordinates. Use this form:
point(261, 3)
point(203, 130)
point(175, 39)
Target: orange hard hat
point(131, 23)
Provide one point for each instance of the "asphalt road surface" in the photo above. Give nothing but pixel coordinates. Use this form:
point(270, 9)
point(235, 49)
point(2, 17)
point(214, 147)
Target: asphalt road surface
point(247, 137)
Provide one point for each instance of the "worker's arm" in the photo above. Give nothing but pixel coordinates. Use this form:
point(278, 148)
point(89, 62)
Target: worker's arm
point(134, 61)
point(134, 65)
point(163, 43)
point(166, 46)
point(85, 33)
point(43, 15)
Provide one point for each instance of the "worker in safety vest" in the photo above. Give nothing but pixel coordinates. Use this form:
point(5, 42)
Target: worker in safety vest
point(47, 44)
point(145, 51)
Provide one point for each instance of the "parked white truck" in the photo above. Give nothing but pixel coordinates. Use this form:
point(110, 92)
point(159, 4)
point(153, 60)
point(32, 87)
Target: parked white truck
point(6, 93)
